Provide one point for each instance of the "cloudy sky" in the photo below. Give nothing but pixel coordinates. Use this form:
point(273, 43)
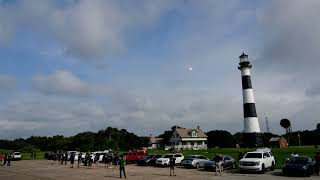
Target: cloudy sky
point(83, 65)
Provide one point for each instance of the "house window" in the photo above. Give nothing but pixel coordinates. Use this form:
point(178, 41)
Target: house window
point(194, 134)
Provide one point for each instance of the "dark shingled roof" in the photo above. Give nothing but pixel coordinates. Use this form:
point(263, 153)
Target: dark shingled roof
point(186, 133)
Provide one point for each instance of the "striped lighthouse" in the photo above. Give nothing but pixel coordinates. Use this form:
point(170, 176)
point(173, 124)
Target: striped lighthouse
point(251, 134)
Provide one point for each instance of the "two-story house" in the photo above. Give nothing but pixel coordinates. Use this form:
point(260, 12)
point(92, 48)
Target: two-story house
point(183, 138)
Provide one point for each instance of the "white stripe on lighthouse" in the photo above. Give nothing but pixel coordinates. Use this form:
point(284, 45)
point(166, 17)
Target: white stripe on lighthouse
point(251, 125)
point(245, 72)
point(248, 96)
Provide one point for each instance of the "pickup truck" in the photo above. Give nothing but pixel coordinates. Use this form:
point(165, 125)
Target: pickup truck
point(134, 156)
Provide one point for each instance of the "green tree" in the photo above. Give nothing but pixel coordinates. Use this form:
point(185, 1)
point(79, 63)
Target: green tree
point(286, 124)
point(220, 138)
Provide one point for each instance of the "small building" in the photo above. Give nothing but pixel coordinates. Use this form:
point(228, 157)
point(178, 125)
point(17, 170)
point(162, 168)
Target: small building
point(183, 138)
point(154, 143)
point(278, 142)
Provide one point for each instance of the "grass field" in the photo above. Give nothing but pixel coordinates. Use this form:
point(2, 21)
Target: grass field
point(279, 154)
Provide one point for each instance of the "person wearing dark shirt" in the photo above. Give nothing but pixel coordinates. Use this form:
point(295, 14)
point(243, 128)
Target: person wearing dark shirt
point(54, 158)
point(9, 160)
point(65, 158)
point(79, 159)
point(172, 163)
point(122, 166)
point(5, 159)
point(218, 163)
point(72, 157)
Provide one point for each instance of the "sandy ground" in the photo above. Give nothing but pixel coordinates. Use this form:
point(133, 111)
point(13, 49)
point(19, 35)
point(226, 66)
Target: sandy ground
point(43, 169)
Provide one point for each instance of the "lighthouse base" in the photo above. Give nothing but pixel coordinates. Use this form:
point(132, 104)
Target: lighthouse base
point(252, 140)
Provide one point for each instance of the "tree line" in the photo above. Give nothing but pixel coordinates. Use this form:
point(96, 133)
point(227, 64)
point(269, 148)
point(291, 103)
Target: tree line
point(113, 138)
point(109, 138)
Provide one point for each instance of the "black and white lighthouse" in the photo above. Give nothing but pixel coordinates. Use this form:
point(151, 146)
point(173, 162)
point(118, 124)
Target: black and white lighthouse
point(251, 134)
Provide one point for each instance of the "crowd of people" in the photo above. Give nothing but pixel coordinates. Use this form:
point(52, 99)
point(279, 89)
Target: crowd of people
point(5, 159)
point(90, 160)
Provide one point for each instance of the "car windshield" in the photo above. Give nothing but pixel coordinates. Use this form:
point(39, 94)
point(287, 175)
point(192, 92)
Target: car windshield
point(149, 156)
point(167, 156)
point(253, 155)
point(298, 160)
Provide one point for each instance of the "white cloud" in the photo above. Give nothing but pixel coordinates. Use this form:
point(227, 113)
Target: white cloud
point(61, 82)
point(87, 29)
point(289, 33)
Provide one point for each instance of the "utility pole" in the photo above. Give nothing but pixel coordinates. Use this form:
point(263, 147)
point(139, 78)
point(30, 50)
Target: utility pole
point(299, 139)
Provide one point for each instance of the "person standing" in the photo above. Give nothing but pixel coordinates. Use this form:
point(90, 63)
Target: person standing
point(116, 160)
point(9, 160)
point(317, 165)
point(79, 159)
point(105, 160)
point(72, 157)
point(172, 163)
point(62, 158)
point(5, 159)
point(54, 158)
point(1, 159)
point(65, 158)
point(218, 161)
point(122, 167)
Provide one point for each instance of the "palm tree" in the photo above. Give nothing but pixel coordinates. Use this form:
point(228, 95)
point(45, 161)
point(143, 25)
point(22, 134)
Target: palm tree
point(286, 124)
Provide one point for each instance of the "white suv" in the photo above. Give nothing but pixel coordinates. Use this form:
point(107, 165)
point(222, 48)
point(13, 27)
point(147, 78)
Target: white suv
point(164, 161)
point(16, 156)
point(258, 160)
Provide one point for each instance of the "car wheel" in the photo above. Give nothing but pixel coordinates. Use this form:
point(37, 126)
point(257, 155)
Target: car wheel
point(284, 173)
point(263, 169)
point(198, 166)
point(272, 166)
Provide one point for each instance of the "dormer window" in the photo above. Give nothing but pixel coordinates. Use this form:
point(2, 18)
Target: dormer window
point(194, 134)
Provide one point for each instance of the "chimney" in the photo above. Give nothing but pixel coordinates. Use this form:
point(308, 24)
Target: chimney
point(198, 127)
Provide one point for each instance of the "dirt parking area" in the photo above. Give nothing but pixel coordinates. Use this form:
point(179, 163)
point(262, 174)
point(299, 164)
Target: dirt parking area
point(43, 169)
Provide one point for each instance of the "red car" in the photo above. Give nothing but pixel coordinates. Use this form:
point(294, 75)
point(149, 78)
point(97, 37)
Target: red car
point(134, 156)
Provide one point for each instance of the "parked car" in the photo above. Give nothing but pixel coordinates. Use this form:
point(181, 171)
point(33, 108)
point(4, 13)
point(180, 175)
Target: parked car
point(72, 152)
point(193, 161)
point(228, 162)
point(298, 166)
point(149, 160)
point(16, 156)
point(134, 156)
point(259, 160)
point(164, 161)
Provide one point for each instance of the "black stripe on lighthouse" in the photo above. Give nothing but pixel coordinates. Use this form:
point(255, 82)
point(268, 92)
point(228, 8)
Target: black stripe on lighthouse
point(246, 82)
point(249, 110)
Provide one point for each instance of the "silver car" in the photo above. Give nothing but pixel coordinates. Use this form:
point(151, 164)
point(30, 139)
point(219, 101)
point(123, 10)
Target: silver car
point(228, 162)
point(194, 161)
